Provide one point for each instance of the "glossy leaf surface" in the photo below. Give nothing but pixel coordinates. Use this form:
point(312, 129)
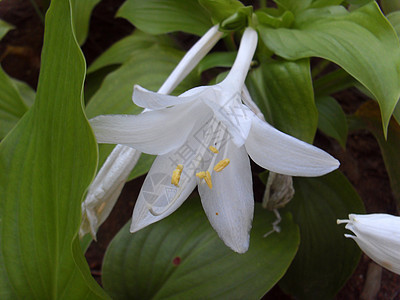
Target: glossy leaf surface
point(182, 257)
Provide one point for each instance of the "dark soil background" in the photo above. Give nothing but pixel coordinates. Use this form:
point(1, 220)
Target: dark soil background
point(361, 162)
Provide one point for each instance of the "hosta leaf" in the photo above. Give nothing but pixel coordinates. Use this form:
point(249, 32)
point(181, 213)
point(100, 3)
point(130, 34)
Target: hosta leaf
point(221, 9)
point(217, 59)
point(283, 90)
point(325, 258)
point(81, 16)
point(46, 164)
point(12, 106)
point(122, 50)
point(361, 42)
point(332, 120)
point(368, 113)
point(181, 257)
point(26, 92)
point(162, 16)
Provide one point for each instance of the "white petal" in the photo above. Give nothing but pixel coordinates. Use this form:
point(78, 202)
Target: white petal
point(153, 132)
point(227, 107)
point(229, 205)
point(191, 59)
point(159, 198)
point(238, 73)
point(284, 154)
point(106, 188)
point(387, 255)
point(151, 100)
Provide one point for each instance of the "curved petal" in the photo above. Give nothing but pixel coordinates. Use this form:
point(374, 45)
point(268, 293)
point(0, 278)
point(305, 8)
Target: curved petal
point(158, 198)
point(229, 205)
point(152, 100)
point(284, 154)
point(153, 132)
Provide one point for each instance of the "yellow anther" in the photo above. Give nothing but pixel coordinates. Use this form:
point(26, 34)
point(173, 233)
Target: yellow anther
point(208, 179)
point(201, 175)
point(176, 175)
point(221, 165)
point(206, 176)
point(213, 149)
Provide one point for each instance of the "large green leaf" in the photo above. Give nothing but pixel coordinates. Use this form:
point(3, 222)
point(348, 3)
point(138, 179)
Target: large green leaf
point(122, 50)
point(46, 164)
point(325, 258)
point(368, 113)
point(182, 257)
point(283, 89)
point(81, 16)
point(162, 16)
point(362, 42)
point(12, 106)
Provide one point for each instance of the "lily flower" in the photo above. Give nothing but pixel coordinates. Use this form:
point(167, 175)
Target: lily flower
point(378, 235)
point(107, 186)
point(206, 136)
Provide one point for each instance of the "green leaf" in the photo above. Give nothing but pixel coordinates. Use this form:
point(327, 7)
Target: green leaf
point(181, 257)
point(163, 16)
point(273, 17)
point(324, 3)
point(332, 120)
point(325, 258)
point(216, 59)
point(294, 5)
point(81, 17)
point(394, 19)
point(368, 113)
point(221, 9)
point(4, 28)
point(26, 92)
point(283, 91)
point(333, 82)
point(389, 6)
point(362, 42)
point(12, 106)
point(46, 163)
point(122, 50)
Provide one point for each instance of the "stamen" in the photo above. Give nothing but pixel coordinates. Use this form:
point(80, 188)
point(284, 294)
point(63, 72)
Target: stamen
point(339, 221)
point(176, 175)
point(208, 179)
point(213, 149)
point(201, 175)
point(221, 165)
point(206, 176)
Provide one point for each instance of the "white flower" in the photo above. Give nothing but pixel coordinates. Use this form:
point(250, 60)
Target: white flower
point(210, 133)
point(107, 186)
point(378, 235)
